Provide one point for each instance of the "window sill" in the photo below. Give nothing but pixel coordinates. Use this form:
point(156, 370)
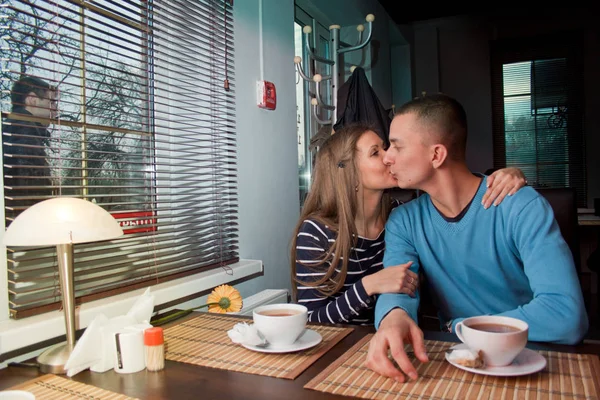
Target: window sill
point(17, 334)
point(583, 211)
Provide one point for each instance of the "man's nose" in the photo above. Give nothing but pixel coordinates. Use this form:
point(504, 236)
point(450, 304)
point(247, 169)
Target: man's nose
point(387, 159)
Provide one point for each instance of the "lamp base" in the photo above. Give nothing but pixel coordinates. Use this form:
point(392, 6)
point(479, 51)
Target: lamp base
point(54, 358)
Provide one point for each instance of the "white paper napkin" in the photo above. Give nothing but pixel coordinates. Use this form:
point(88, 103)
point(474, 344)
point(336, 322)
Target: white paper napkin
point(88, 349)
point(467, 357)
point(243, 333)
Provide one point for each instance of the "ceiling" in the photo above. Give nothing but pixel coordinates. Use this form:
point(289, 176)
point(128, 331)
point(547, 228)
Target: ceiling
point(415, 13)
point(426, 10)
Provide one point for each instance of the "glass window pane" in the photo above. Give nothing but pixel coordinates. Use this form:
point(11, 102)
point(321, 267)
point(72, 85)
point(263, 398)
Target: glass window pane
point(517, 78)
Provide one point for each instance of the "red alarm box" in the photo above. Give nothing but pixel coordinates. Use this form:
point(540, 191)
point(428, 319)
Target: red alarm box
point(266, 96)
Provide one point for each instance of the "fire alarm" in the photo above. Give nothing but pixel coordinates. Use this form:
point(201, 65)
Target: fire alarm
point(266, 96)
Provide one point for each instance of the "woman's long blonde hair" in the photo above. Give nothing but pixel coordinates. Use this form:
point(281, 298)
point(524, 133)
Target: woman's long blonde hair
point(333, 201)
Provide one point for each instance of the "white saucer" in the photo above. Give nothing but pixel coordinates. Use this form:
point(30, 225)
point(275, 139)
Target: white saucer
point(527, 362)
point(307, 340)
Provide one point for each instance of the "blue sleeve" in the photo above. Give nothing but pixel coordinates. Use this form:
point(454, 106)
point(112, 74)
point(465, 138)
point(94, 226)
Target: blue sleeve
point(311, 246)
point(557, 312)
point(399, 249)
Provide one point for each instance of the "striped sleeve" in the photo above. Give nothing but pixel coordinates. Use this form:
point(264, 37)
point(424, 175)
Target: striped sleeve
point(311, 245)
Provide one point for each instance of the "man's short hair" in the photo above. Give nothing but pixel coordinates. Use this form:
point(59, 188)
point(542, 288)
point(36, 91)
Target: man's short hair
point(26, 85)
point(448, 118)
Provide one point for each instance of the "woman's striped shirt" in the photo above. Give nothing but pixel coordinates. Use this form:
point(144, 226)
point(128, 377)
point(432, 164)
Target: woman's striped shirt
point(350, 305)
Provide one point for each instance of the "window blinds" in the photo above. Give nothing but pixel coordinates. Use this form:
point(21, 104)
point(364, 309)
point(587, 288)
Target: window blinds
point(134, 110)
point(538, 110)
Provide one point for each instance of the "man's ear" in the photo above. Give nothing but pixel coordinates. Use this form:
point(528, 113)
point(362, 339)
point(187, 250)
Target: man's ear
point(439, 153)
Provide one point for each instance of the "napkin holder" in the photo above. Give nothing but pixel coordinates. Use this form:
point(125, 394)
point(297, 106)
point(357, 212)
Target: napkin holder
point(96, 347)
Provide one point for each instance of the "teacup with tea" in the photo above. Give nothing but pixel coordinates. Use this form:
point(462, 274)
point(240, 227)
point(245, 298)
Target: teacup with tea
point(280, 324)
point(500, 339)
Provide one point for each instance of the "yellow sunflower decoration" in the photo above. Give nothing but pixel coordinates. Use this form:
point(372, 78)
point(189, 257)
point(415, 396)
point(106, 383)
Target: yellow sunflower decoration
point(223, 299)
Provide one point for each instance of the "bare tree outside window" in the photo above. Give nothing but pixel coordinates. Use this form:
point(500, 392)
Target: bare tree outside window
point(101, 140)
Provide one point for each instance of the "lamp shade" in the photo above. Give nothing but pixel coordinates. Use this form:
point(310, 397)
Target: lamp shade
point(62, 220)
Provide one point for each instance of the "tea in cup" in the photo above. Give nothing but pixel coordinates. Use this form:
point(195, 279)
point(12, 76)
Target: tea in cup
point(280, 324)
point(500, 339)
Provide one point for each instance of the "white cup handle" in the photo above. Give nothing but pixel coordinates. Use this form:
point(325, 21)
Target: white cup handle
point(458, 331)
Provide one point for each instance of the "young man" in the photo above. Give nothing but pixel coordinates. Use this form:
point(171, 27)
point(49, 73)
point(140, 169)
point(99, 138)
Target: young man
point(510, 260)
point(24, 143)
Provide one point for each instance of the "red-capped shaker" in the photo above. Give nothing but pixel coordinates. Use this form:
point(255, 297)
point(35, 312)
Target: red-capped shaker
point(154, 346)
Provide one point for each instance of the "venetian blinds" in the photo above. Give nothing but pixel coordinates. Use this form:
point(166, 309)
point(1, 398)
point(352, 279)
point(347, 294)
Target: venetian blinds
point(538, 110)
point(128, 104)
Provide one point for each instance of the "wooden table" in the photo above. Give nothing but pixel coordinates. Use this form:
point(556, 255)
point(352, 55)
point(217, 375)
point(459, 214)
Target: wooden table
point(184, 381)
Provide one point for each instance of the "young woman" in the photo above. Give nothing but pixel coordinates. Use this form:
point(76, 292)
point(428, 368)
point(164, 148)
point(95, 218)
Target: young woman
point(338, 245)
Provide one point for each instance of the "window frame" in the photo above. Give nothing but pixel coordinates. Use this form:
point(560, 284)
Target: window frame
point(320, 44)
point(568, 45)
point(15, 334)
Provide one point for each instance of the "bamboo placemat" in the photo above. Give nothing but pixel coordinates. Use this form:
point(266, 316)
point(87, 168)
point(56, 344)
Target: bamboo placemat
point(203, 341)
point(53, 387)
point(566, 376)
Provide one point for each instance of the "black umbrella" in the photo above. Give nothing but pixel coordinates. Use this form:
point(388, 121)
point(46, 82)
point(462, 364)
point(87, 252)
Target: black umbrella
point(357, 102)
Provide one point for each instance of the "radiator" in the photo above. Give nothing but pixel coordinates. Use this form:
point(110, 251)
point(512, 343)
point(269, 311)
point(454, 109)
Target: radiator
point(267, 296)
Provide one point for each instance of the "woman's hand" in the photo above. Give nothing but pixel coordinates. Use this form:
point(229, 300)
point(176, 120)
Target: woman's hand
point(505, 181)
point(398, 279)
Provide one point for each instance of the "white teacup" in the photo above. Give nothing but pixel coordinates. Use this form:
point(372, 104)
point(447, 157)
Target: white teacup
point(280, 324)
point(500, 339)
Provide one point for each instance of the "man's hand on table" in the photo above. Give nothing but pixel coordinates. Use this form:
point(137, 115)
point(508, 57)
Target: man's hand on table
point(396, 329)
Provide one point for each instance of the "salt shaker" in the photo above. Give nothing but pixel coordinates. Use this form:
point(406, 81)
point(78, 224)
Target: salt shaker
point(154, 349)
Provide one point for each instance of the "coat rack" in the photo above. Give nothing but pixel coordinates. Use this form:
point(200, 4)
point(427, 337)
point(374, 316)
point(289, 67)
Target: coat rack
point(337, 47)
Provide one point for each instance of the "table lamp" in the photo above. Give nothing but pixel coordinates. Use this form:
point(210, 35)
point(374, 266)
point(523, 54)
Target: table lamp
point(62, 222)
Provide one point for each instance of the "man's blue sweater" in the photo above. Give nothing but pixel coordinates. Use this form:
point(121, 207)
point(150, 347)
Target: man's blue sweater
point(508, 260)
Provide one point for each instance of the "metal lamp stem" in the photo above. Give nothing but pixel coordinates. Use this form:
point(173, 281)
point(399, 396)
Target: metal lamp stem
point(64, 253)
point(53, 359)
